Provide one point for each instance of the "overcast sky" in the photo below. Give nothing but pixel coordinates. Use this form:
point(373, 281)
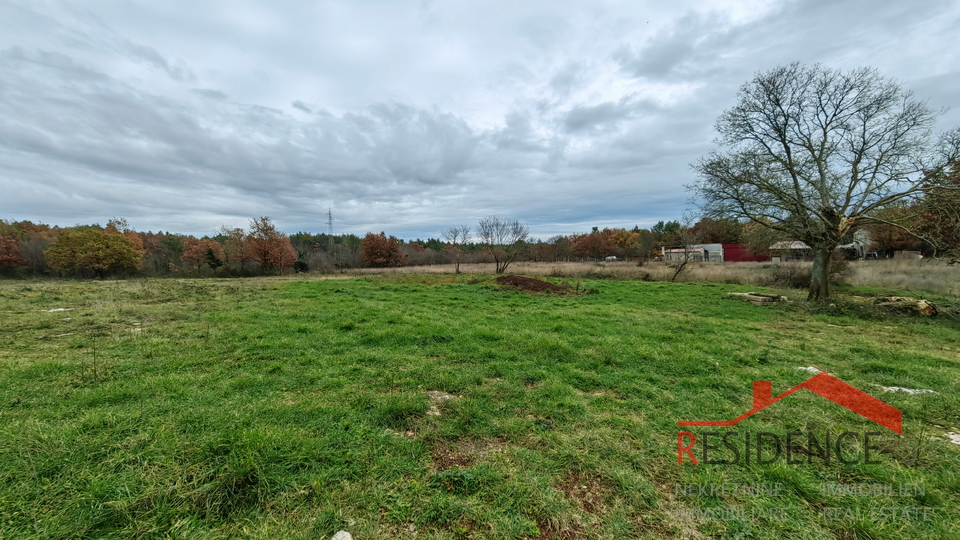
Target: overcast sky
point(408, 116)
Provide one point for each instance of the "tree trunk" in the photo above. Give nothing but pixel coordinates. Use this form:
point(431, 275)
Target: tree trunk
point(679, 269)
point(820, 277)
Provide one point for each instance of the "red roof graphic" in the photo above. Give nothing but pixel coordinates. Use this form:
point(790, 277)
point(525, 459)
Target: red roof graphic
point(824, 385)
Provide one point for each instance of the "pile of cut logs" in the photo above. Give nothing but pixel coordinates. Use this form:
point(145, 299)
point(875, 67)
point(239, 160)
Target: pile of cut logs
point(905, 304)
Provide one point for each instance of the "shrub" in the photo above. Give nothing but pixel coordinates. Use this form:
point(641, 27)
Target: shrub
point(457, 481)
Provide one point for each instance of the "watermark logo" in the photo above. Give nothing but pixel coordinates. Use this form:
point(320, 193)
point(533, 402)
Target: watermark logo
point(825, 448)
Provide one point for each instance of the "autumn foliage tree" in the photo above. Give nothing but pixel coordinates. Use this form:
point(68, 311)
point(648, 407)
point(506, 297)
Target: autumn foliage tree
point(34, 240)
point(270, 247)
point(596, 244)
point(97, 250)
point(237, 247)
point(10, 253)
point(202, 251)
point(643, 244)
point(379, 251)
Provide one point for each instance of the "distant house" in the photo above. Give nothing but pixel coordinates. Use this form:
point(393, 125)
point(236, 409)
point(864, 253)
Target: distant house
point(793, 250)
point(712, 253)
point(790, 251)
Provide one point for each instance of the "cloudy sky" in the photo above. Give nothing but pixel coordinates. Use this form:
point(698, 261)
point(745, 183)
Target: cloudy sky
point(408, 116)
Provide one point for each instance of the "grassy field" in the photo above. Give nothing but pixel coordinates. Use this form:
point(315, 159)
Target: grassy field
point(909, 277)
point(445, 407)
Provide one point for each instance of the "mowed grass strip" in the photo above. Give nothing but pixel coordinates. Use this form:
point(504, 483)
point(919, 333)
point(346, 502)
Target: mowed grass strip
point(441, 407)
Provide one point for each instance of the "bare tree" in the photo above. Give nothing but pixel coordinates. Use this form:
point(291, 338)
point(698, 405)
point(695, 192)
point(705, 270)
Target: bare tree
point(502, 238)
point(815, 153)
point(456, 237)
point(689, 236)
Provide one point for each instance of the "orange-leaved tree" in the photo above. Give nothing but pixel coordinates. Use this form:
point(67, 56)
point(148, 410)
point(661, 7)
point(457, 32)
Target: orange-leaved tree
point(237, 246)
point(597, 244)
point(9, 247)
point(270, 247)
point(202, 251)
point(379, 251)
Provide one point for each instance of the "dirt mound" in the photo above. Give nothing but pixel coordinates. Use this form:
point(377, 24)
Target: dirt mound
point(528, 284)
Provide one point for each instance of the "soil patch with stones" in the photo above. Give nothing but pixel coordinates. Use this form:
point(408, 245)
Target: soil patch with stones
point(529, 284)
point(446, 457)
point(587, 491)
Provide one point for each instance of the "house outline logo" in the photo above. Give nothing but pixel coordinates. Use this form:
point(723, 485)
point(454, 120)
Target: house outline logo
point(824, 385)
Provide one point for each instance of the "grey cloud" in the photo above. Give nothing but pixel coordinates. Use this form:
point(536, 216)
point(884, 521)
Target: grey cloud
point(209, 93)
point(60, 62)
point(420, 145)
point(419, 120)
point(382, 153)
point(672, 49)
point(582, 118)
point(518, 134)
point(299, 105)
point(152, 58)
point(566, 79)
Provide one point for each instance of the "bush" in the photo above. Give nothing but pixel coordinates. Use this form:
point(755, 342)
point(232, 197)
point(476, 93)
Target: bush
point(379, 251)
point(792, 275)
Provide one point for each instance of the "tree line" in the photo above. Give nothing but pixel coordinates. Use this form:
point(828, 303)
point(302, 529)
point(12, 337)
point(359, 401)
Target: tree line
point(94, 251)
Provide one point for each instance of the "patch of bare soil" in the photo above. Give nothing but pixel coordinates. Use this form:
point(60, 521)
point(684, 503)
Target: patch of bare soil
point(464, 453)
point(446, 456)
point(586, 491)
point(552, 529)
point(527, 284)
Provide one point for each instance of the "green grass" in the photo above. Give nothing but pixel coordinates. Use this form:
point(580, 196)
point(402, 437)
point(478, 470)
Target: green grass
point(294, 409)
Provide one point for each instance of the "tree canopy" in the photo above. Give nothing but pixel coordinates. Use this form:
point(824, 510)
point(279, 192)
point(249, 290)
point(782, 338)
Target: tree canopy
point(380, 251)
point(816, 153)
point(96, 250)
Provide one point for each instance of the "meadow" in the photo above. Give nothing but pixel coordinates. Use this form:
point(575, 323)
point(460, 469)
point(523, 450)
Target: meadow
point(447, 407)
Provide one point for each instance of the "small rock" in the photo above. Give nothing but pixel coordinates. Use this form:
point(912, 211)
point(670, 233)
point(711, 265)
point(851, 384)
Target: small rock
point(907, 390)
point(954, 437)
point(68, 319)
point(436, 399)
point(342, 535)
point(811, 369)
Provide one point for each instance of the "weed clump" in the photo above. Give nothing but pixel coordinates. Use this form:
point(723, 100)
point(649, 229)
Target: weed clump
point(457, 481)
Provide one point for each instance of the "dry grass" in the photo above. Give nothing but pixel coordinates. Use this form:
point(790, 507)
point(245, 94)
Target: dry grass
point(923, 275)
point(737, 273)
point(927, 276)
